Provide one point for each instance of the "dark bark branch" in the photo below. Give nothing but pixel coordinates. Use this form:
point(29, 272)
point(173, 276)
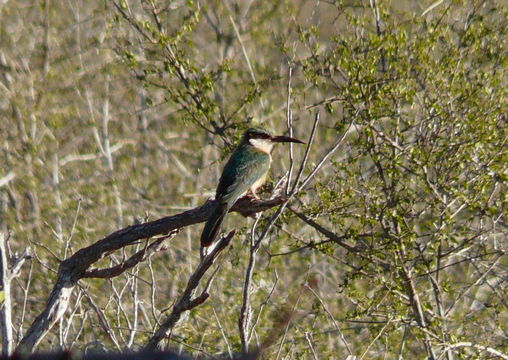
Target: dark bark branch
point(135, 259)
point(186, 302)
point(340, 240)
point(77, 266)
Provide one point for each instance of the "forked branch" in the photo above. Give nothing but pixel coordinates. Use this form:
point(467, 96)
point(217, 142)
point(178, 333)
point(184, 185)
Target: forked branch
point(79, 265)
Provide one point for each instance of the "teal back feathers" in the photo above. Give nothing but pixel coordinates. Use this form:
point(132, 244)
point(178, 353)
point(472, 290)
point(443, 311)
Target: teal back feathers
point(245, 166)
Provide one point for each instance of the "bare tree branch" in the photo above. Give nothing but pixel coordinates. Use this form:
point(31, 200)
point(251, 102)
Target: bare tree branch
point(466, 344)
point(131, 262)
point(5, 299)
point(7, 274)
point(77, 266)
point(186, 302)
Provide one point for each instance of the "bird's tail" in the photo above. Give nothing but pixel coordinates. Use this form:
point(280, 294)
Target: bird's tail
point(212, 226)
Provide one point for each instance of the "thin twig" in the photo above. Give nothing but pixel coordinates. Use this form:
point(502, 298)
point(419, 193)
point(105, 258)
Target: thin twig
point(306, 155)
point(308, 337)
point(325, 308)
point(289, 121)
point(325, 157)
point(245, 311)
point(432, 7)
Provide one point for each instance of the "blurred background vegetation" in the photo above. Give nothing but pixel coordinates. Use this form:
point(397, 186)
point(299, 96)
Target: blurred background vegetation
point(113, 113)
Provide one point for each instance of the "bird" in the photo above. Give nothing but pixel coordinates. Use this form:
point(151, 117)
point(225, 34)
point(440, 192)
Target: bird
point(245, 171)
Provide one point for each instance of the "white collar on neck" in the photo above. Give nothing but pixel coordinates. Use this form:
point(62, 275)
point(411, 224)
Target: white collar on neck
point(262, 145)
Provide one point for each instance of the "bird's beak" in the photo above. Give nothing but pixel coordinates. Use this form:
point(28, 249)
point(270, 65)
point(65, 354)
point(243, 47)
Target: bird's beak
point(286, 139)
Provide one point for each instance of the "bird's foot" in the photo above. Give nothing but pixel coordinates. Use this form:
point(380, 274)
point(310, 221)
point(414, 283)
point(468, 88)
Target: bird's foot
point(251, 195)
point(246, 202)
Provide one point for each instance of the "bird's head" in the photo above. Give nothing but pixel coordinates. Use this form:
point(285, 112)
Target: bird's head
point(261, 139)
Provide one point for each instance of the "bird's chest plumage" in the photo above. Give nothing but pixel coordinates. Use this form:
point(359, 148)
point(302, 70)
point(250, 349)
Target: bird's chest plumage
point(259, 165)
point(246, 169)
point(262, 179)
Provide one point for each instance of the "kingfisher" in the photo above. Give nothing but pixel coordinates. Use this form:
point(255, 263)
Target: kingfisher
point(245, 171)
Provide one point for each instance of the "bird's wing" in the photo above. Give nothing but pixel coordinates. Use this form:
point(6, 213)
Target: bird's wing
point(241, 171)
